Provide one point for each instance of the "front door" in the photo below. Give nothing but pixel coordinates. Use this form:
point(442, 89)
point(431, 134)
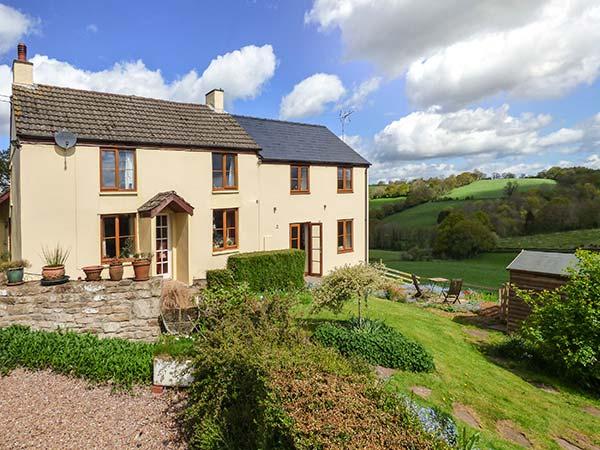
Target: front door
point(163, 246)
point(316, 249)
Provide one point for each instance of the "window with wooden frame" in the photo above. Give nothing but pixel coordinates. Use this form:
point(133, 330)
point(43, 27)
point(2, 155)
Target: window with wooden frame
point(344, 233)
point(224, 171)
point(117, 234)
point(225, 229)
point(118, 169)
point(299, 179)
point(344, 179)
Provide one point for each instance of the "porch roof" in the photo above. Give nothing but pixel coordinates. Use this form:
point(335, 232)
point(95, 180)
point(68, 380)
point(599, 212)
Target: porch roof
point(163, 200)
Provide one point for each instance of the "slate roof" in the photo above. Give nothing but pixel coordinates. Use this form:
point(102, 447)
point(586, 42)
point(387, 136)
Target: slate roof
point(544, 262)
point(41, 110)
point(292, 141)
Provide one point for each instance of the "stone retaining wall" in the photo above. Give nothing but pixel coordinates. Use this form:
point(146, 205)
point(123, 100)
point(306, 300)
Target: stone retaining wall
point(124, 309)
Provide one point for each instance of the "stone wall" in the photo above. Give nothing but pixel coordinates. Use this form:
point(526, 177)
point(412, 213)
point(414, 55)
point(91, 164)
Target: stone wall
point(124, 309)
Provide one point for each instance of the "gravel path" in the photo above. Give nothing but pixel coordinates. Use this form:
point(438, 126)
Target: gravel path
point(44, 410)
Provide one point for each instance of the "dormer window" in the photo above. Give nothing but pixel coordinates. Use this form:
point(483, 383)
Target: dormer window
point(117, 169)
point(224, 169)
point(299, 179)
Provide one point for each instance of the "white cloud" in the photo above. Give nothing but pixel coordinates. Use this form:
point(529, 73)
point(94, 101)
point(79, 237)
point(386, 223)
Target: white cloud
point(13, 26)
point(92, 28)
point(361, 92)
point(5, 82)
point(593, 162)
point(462, 51)
point(409, 171)
point(561, 137)
point(311, 96)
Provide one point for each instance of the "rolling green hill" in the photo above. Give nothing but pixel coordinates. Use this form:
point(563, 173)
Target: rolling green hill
point(494, 188)
point(424, 215)
point(565, 240)
point(376, 203)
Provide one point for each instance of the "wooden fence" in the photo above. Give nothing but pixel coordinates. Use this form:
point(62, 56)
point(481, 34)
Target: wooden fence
point(396, 275)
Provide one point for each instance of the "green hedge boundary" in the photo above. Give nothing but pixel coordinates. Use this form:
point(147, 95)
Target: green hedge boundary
point(219, 279)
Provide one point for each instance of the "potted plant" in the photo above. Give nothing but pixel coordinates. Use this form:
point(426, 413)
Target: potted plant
point(14, 271)
point(141, 266)
point(115, 269)
point(93, 273)
point(55, 259)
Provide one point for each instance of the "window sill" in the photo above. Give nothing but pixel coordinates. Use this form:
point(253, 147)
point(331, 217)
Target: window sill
point(299, 192)
point(348, 250)
point(345, 192)
point(226, 191)
point(118, 193)
point(225, 252)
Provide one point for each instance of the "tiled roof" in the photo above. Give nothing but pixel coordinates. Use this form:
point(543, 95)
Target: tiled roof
point(95, 116)
point(292, 141)
point(544, 262)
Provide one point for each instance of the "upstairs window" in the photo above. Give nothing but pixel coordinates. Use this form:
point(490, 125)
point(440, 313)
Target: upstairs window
point(344, 179)
point(299, 179)
point(117, 236)
point(117, 169)
point(225, 229)
point(224, 170)
point(344, 233)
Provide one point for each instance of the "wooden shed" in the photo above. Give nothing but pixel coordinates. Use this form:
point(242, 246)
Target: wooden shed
point(535, 271)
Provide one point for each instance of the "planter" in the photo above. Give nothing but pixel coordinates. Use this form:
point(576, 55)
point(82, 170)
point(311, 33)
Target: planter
point(93, 273)
point(14, 276)
point(141, 269)
point(53, 273)
point(171, 372)
point(115, 271)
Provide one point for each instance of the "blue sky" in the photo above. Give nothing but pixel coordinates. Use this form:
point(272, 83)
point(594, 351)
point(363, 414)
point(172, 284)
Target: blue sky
point(435, 89)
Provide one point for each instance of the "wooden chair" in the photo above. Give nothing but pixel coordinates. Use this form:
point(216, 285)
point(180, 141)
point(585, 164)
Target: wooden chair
point(415, 281)
point(453, 291)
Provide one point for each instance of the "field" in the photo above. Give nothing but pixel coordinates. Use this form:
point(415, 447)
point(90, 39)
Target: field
point(487, 270)
point(495, 188)
point(424, 215)
point(497, 395)
point(376, 203)
point(565, 240)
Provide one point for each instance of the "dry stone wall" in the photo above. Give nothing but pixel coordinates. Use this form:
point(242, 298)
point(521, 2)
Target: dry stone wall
point(124, 309)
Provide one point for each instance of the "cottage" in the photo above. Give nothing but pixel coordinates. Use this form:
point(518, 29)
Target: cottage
point(187, 182)
point(536, 271)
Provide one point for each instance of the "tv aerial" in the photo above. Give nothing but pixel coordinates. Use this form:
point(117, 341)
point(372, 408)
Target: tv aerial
point(65, 140)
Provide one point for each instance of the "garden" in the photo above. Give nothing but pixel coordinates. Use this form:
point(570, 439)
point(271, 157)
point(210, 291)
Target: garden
point(277, 365)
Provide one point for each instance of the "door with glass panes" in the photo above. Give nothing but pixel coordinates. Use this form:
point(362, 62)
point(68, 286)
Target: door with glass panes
point(163, 246)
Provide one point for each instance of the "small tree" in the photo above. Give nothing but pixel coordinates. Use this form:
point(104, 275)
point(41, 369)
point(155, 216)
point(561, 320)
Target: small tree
point(510, 188)
point(348, 283)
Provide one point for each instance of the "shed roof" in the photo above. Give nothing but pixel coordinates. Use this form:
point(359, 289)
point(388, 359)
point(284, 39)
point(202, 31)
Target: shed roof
point(293, 141)
point(544, 262)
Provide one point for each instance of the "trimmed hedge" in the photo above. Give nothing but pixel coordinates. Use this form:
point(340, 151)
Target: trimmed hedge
point(118, 361)
point(269, 271)
point(219, 279)
point(379, 345)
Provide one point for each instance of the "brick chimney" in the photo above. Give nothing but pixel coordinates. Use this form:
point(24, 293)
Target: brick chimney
point(22, 69)
point(216, 100)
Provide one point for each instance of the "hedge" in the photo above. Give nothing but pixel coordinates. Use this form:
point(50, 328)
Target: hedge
point(118, 361)
point(219, 279)
point(269, 271)
point(383, 346)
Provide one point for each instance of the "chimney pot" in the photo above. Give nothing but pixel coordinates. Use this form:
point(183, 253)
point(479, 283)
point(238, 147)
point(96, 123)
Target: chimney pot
point(22, 52)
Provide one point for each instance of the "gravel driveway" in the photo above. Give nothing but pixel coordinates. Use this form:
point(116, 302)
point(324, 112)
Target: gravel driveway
point(44, 410)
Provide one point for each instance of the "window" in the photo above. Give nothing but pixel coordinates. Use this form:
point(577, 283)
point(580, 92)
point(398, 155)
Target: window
point(224, 168)
point(344, 179)
point(299, 179)
point(117, 169)
point(225, 229)
point(344, 233)
point(118, 236)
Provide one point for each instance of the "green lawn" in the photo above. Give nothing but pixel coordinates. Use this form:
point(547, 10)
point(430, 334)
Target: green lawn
point(488, 269)
point(376, 203)
point(463, 374)
point(424, 215)
point(494, 188)
point(566, 240)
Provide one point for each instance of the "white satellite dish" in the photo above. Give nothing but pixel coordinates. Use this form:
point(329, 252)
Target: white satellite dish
point(65, 139)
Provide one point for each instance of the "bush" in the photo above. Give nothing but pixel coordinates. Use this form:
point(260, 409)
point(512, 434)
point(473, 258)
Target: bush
point(460, 236)
point(395, 292)
point(118, 361)
point(219, 279)
point(377, 343)
point(269, 271)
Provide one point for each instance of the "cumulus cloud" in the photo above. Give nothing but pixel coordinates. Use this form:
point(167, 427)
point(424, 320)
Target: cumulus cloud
point(462, 51)
point(561, 137)
point(5, 82)
point(409, 171)
point(13, 26)
point(361, 93)
point(311, 96)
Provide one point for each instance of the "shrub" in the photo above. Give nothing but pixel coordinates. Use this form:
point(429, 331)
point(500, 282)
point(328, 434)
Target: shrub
point(269, 271)
point(461, 236)
point(83, 355)
point(377, 343)
point(395, 292)
point(219, 279)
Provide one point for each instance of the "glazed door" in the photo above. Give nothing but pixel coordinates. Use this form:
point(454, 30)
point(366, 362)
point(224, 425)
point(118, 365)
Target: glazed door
point(315, 266)
point(298, 233)
point(163, 246)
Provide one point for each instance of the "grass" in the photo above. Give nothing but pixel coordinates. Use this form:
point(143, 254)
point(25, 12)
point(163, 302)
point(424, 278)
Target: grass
point(424, 215)
point(495, 188)
point(487, 269)
point(565, 240)
point(377, 203)
point(464, 374)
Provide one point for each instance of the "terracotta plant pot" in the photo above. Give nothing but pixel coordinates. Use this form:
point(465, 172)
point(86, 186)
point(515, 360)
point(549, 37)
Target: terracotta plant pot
point(14, 275)
point(115, 271)
point(141, 269)
point(53, 272)
point(93, 273)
